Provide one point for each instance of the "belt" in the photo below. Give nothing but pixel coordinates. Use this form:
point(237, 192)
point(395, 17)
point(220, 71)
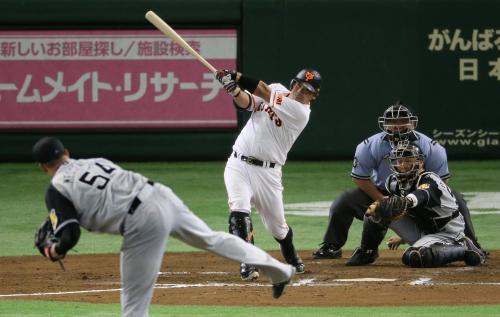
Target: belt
point(254, 161)
point(441, 222)
point(137, 200)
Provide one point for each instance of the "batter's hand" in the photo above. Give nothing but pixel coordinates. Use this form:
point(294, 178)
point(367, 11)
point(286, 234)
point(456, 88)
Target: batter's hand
point(394, 242)
point(227, 78)
point(225, 75)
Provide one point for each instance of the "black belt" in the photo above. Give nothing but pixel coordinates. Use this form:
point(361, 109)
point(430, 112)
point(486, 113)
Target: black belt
point(441, 222)
point(137, 202)
point(254, 161)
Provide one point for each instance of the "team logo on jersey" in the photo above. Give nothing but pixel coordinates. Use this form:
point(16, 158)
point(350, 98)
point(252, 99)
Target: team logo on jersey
point(53, 218)
point(424, 186)
point(309, 76)
point(279, 99)
point(272, 115)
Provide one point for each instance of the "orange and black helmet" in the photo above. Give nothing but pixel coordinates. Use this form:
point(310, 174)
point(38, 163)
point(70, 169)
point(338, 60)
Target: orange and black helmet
point(310, 78)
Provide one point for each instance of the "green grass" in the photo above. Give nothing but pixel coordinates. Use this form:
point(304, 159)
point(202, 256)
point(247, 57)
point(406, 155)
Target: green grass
point(201, 186)
point(64, 309)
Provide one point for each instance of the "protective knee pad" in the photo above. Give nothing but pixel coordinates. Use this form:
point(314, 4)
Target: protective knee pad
point(240, 224)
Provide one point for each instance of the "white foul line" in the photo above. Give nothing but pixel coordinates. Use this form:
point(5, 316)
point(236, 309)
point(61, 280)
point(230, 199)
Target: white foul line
point(302, 282)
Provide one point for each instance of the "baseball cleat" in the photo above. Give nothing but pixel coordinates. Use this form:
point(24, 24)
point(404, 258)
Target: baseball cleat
point(327, 251)
point(279, 288)
point(362, 257)
point(248, 272)
point(473, 255)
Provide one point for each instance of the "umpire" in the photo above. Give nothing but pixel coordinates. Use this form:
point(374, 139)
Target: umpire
point(369, 172)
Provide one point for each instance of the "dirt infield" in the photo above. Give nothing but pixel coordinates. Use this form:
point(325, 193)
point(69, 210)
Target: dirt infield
point(204, 279)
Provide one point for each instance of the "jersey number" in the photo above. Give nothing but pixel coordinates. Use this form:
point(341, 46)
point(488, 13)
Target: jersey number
point(92, 179)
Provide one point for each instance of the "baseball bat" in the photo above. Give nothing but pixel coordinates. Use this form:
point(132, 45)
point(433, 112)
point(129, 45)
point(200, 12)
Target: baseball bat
point(161, 25)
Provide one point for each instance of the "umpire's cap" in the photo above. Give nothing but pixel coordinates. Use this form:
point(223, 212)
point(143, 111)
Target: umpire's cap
point(47, 149)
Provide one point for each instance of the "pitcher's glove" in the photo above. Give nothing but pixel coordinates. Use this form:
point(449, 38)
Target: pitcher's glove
point(388, 209)
point(45, 238)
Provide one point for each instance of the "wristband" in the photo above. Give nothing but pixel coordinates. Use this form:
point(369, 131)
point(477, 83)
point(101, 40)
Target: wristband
point(248, 83)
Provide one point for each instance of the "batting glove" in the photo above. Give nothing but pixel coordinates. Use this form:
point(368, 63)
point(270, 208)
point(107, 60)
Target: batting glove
point(225, 75)
point(232, 88)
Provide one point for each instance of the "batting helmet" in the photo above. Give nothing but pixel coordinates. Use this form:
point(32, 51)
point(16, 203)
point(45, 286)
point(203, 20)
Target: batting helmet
point(397, 122)
point(406, 162)
point(310, 78)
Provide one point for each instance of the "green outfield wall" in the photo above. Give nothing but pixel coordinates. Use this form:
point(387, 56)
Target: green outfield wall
point(442, 58)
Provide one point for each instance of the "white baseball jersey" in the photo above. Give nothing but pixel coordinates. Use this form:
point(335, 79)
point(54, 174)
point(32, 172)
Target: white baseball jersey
point(268, 136)
point(274, 126)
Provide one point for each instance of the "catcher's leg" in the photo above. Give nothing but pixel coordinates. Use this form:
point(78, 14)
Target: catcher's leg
point(464, 210)
point(240, 225)
point(441, 253)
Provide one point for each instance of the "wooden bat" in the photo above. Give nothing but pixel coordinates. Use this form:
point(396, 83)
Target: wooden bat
point(168, 31)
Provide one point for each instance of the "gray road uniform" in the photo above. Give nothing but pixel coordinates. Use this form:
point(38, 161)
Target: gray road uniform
point(102, 197)
point(370, 162)
point(433, 216)
point(433, 227)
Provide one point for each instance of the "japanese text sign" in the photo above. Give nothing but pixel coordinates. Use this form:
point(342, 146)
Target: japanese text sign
point(113, 79)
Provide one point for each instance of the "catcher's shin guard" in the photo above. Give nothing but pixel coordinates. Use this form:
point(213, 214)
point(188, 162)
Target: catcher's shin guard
point(289, 253)
point(240, 224)
point(434, 256)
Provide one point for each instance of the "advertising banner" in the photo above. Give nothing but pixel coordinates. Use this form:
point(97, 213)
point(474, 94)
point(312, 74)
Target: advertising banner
point(113, 79)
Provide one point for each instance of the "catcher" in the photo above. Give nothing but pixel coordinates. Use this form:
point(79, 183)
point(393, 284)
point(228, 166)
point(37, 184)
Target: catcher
point(423, 211)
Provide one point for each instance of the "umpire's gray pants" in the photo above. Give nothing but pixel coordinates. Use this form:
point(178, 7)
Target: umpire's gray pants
point(160, 215)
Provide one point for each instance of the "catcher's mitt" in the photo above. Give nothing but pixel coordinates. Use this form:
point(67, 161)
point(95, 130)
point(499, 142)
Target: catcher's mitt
point(388, 209)
point(44, 238)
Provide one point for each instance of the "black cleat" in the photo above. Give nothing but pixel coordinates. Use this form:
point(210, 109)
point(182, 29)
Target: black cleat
point(362, 257)
point(473, 256)
point(248, 272)
point(327, 251)
point(300, 268)
point(279, 288)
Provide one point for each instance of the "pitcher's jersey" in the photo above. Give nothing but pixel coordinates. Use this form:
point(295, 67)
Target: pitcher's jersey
point(96, 193)
point(370, 159)
point(274, 126)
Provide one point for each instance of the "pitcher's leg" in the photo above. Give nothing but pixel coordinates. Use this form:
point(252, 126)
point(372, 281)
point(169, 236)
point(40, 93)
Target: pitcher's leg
point(140, 261)
point(195, 232)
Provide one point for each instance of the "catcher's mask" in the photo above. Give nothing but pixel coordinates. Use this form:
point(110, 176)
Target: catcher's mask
point(397, 122)
point(407, 163)
point(310, 79)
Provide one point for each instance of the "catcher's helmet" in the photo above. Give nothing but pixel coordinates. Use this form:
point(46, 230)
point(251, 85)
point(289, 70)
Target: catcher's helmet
point(310, 78)
point(406, 162)
point(397, 122)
